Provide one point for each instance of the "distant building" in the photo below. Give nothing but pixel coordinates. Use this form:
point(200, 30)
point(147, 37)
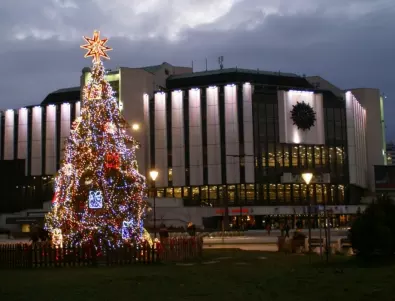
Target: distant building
point(231, 137)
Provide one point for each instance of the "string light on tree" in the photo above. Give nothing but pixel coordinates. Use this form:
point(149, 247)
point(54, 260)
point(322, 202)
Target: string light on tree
point(98, 186)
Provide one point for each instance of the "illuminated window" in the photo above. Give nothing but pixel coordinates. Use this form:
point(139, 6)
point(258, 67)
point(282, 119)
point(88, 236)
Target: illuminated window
point(288, 193)
point(295, 156)
point(195, 193)
point(177, 192)
point(213, 193)
point(250, 192)
point(204, 193)
point(280, 192)
point(318, 190)
point(170, 174)
point(186, 192)
point(296, 193)
point(272, 192)
point(242, 192)
point(317, 156)
point(280, 154)
point(302, 155)
point(169, 192)
point(160, 192)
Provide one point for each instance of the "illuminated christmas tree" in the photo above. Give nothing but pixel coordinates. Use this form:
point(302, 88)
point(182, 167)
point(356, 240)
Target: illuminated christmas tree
point(98, 190)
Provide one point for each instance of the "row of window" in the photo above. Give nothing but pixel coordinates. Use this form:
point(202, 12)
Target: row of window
point(259, 193)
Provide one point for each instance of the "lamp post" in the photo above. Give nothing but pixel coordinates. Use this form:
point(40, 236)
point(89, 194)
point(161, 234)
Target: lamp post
point(154, 174)
point(307, 176)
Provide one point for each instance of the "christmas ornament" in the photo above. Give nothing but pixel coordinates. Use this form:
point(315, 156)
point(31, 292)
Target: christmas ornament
point(95, 199)
point(126, 227)
point(112, 161)
point(57, 238)
point(96, 48)
point(303, 116)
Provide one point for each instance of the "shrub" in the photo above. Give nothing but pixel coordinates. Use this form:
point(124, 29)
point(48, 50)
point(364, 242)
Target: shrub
point(373, 232)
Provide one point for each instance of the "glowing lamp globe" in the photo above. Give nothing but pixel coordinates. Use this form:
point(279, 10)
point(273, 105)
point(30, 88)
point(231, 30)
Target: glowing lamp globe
point(153, 174)
point(307, 176)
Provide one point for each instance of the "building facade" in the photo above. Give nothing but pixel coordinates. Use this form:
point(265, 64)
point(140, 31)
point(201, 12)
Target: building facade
point(232, 139)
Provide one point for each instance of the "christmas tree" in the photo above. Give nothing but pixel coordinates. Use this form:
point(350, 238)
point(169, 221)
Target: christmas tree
point(99, 193)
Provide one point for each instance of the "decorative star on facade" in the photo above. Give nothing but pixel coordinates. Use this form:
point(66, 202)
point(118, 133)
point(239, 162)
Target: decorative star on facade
point(96, 47)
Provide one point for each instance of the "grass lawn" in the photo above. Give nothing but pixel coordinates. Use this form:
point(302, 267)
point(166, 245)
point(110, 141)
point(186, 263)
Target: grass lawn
point(242, 277)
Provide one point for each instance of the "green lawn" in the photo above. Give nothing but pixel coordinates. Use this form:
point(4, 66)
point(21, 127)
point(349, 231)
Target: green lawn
point(242, 277)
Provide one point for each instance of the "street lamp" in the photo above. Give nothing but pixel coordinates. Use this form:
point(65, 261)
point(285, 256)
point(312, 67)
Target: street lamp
point(136, 127)
point(307, 176)
point(154, 174)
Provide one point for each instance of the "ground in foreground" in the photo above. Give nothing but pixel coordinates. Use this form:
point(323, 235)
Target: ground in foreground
point(222, 275)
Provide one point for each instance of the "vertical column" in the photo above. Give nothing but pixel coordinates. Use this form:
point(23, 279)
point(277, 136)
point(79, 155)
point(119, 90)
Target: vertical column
point(178, 145)
point(36, 162)
point(50, 141)
point(195, 141)
point(248, 134)
point(231, 135)
point(22, 135)
point(145, 145)
point(350, 116)
point(161, 139)
point(77, 109)
point(9, 135)
point(64, 127)
point(213, 137)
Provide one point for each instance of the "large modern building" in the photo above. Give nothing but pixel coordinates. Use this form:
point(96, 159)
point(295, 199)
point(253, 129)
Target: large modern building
point(227, 138)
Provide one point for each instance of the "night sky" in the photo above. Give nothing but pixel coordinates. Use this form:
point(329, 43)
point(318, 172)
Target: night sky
point(348, 42)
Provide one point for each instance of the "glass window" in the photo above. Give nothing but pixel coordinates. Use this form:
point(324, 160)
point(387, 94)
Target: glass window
point(311, 194)
point(317, 156)
point(318, 191)
point(302, 155)
point(271, 154)
point(272, 192)
point(195, 193)
point(324, 155)
point(295, 156)
point(288, 193)
point(325, 193)
point(280, 154)
point(231, 194)
point(332, 158)
point(213, 193)
point(286, 156)
point(242, 192)
point(333, 194)
point(169, 192)
point(296, 193)
point(250, 192)
point(280, 193)
point(309, 156)
point(160, 192)
point(264, 159)
point(186, 192)
point(341, 194)
point(264, 192)
point(177, 192)
point(204, 192)
point(303, 193)
point(170, 174)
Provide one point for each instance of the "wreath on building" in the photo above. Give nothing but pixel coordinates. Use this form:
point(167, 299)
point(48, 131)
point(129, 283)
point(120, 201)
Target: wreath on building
point(303, 116)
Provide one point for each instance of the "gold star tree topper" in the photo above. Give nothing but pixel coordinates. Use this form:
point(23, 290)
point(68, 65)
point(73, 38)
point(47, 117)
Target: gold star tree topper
point(96, 47)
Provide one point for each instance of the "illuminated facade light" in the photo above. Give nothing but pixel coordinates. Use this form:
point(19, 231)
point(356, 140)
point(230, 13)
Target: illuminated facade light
point(231, 85)
point(212, 87)
point(301, 92)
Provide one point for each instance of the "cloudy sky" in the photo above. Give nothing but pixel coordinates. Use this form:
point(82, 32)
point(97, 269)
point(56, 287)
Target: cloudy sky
point(349, 42)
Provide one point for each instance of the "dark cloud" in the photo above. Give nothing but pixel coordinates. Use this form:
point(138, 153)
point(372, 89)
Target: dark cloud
point(347, 42)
